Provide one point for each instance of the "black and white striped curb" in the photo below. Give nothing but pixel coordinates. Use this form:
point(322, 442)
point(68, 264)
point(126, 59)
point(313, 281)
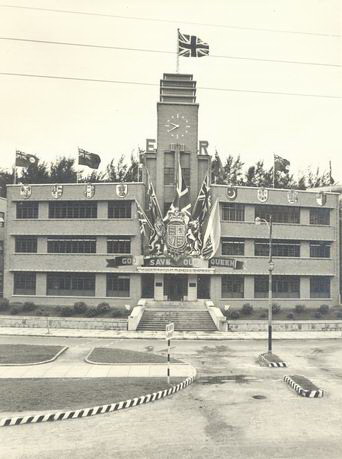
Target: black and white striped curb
point(303, 392)
point(85, 412)
point(267, 363)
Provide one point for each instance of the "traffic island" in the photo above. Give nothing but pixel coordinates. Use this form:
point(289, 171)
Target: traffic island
point(29, 354)
point(303, 386)
point(116, 356)
point(268, 359)
point(100, 409)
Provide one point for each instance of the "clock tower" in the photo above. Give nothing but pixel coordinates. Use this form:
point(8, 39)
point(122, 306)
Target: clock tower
point(177, 139)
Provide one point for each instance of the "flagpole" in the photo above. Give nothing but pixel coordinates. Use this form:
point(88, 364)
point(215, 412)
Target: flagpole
point(177, 62)
point(273, 171)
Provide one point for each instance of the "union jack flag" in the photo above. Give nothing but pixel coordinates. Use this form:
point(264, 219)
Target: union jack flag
point(191, 46)
point(143, 220)
point(203, 202)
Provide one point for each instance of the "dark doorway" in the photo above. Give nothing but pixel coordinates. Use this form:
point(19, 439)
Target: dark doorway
point(147, 286)
point(175, 286)
point(203, 287)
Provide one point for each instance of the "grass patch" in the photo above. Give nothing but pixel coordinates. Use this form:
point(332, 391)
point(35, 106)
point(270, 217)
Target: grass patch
point(26, 353)
point(305, 383)
point(18, 395)
point(110, 355)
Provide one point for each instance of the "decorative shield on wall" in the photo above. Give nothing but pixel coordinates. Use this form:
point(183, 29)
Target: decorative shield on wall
point(57, 191)
point(321, 198)
point(292, 196)
point(262, 194)
point(176, 234)
point(121, 190)
point(89, 191)
point(25, 191)
point(231, 193)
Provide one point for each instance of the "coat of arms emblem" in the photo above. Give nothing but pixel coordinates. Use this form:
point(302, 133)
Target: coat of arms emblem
point(231, 193)
point(25, 191)
point(121, 190)
point(57, 191)
point(89, 191)
point(292, 196)
point(262, 194)
point(176, 234)
point(321, 198)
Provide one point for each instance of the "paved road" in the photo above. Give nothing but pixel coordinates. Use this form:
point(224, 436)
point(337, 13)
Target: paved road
point(216, 417)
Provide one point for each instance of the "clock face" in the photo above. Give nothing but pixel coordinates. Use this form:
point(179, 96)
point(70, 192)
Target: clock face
point(177, 126)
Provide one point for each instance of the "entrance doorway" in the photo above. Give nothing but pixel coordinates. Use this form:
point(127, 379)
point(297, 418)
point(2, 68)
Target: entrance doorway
point(147, 286)
point(175, 286)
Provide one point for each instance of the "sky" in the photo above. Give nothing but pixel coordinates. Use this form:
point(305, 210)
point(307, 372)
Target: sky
point(53, 117)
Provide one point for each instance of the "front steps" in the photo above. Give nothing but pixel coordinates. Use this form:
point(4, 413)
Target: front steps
point(184, 320)
point(166, 305)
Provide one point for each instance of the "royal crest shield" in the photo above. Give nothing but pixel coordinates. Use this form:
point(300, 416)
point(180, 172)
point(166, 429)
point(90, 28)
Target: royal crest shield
point(262, 194)
point(89, 191)
point(292, 196)
point(57, 191)
point(176, 234)
point(121, 190)
point(25, 191)
point(231, 193)
point(321, 198)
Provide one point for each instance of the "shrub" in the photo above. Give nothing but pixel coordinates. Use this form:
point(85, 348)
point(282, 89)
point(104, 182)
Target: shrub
point(80, 307)
point(66, 311)
point(91, 312)
point(247, 309)
point(40, 312)
point(299, 308)
point(263, 315)
point(102, 308)
point(339, 315)
point(14, 311)
point(29, 306)
point(275, 308)
point(4, 304)
point(290, 315)
point(318, 315)
point(235, 315)
point(119, 312)
point(324, 309)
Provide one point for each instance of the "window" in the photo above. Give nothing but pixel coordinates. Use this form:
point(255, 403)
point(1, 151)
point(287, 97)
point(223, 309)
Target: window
point(169, 168)
point(320, 249)
point(233, 212)
point(2, 219)
point(320, 287)
point(319, 216)
point(71, 244)
point(73, 209)
point(118, 285)
point(27, 209)
point(280, 214)
point(26, 244)
point(185, 165)
point(118, 244)
point(280, 248)
point(232, 286)
point(70, 284)
point(282, 286)
point(24, 283)
point(1, 247)
point(119, 209)
point(233, 246)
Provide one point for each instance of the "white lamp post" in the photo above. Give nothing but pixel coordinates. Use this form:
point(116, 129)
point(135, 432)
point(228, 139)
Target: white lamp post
point(259, 221)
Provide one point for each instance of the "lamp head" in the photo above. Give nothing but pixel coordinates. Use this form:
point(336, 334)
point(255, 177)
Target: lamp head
point(258, 221)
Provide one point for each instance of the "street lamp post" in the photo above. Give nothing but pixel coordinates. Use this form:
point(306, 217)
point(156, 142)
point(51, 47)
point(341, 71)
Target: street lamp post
point(259, 221)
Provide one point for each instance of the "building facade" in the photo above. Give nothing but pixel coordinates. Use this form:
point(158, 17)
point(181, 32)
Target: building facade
point(67, 242)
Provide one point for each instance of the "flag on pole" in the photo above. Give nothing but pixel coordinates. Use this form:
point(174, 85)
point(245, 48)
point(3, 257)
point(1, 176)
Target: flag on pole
point(25, 159)
point(91, 160)
point(203, 202)
point(144, 222)
point(157, 233)
point(191, 46)
point(182, 198)
point(211, 241)
point(280, 163)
